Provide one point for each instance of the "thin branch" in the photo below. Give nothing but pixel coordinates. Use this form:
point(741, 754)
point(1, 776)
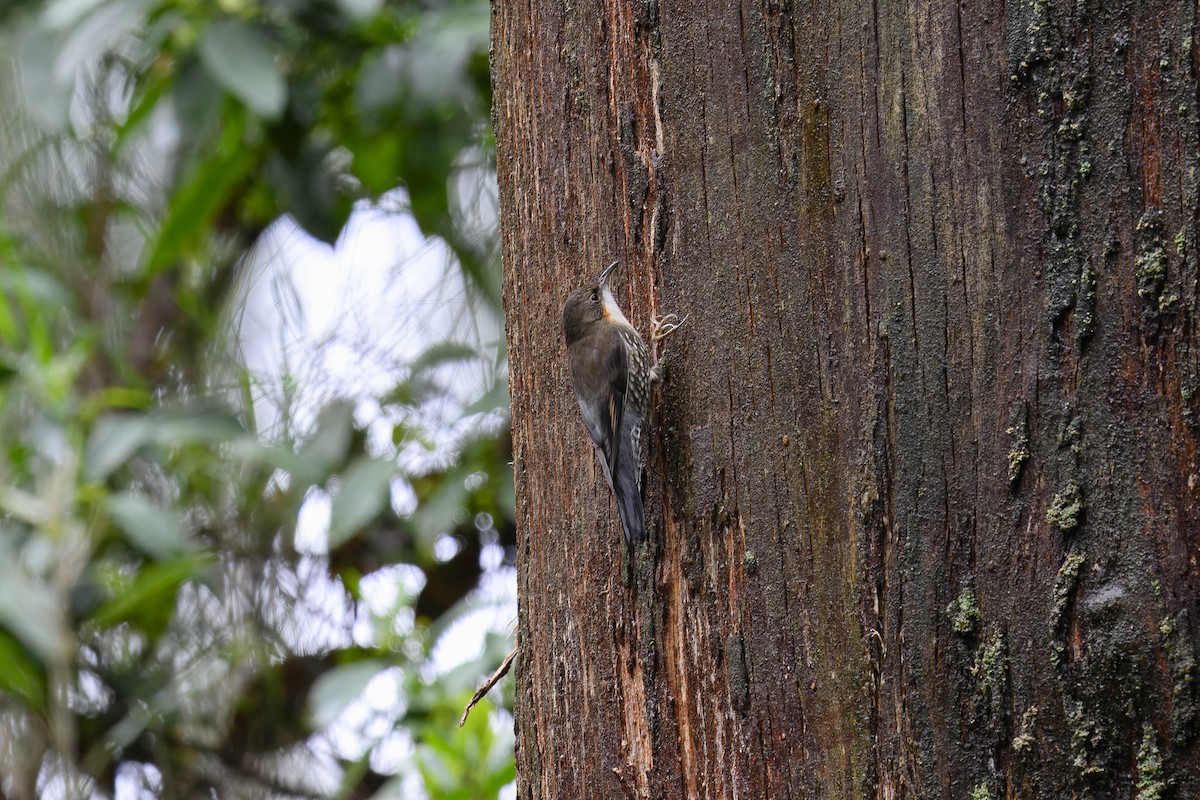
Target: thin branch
point(500, 672)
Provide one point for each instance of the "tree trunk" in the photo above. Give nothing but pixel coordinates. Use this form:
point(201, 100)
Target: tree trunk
point(922, 496)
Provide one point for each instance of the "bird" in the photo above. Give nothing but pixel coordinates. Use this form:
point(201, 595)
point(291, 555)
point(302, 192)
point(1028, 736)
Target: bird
point(613, 373)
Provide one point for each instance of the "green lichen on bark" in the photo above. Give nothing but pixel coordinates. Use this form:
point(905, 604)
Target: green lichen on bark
point(990, 673)
point(1030, 41)
point(1017, 456)
point(1151, 262)
point(1070, 439)
point(990, 669)
point(1087, 741)
point(1085, 305)
point(1018, 451)
point(1066, 508)
point(1151, 784)
point(1055, 74)
point(1024, 739)
point(981, 792)
point(1065, 585)
point(1181, 661)
point(1188, 385)
point(965, 617)
point(1150, 266)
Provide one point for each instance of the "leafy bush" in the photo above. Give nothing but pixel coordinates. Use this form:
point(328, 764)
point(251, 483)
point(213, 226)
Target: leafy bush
point(163, 627)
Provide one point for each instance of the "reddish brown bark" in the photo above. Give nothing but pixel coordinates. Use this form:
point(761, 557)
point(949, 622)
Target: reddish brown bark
point(923, 504)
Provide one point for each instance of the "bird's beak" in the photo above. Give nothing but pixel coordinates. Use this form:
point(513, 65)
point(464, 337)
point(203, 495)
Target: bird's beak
point(604, 275)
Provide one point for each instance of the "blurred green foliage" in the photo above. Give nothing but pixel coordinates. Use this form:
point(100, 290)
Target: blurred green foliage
point(162, 632)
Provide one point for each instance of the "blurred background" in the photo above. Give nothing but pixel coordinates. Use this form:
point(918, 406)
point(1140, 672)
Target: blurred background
point(256, 503)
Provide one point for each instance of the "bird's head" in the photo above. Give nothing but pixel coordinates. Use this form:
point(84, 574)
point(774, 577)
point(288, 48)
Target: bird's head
point(588, 305)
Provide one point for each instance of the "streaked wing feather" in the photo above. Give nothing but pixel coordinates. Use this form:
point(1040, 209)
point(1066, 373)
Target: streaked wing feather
point(602, 401)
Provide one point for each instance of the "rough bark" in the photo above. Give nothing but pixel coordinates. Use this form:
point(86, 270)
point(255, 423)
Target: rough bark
point(923, 506)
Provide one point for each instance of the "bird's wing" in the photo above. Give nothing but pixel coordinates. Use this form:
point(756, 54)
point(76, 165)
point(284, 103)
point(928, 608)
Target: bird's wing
point(601, 399)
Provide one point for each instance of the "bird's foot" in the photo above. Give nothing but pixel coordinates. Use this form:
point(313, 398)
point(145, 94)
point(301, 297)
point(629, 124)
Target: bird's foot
point(660, 329)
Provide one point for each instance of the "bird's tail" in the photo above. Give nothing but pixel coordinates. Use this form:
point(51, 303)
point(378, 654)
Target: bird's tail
point(629, 503)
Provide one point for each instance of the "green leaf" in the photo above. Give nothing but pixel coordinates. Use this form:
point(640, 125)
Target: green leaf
point(193, 208)
point(243, 61)
point(64, 13)
point(364, 492)
point(36, 286)
point(150, 601)
point(375, 162)
point(20, 675)
point(437, 514)
point(338, 688)
point(95, 33)
point(151, 529)
point(38, 56)
point(495, 399)
point(327, 447)
point(381, 82)
point(481, 272)
point(392, 789)
point(115, 397)
point(30, 611)
point(141, 110)
point(197, 424)
point(113, 441)
point(439, 56)
point(444, 353)
point(312, 189)
point(360, 10)
point(249, 447)
point(116, 438)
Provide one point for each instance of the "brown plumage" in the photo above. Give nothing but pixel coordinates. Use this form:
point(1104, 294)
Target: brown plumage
point(612, 373)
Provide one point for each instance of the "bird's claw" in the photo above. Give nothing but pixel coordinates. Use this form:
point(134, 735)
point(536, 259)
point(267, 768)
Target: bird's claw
point(661, 329)
point(664, 327)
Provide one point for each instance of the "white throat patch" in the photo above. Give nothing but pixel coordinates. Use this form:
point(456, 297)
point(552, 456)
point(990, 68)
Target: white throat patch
point(611, 308)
